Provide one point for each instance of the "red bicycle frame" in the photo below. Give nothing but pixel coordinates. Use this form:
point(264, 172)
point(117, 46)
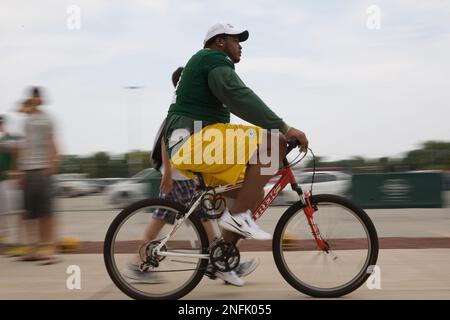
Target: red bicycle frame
point(287, 177)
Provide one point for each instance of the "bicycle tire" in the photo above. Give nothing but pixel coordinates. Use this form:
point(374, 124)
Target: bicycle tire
point(301, 285)
point(108, 250)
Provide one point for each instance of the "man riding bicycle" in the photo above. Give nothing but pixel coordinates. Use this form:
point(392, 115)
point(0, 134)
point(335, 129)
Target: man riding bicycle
point(208, 91)
point(220, 153)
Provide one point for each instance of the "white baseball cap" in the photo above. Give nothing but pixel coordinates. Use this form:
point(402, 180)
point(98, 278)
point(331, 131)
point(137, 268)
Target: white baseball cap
point(226, 28)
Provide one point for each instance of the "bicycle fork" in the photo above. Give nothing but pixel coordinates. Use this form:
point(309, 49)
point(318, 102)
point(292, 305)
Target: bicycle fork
point(309, 211)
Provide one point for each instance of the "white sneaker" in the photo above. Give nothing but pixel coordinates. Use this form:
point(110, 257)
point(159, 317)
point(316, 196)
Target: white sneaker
point(244, 225)
point(133, 273)
point(246, 267)
point(230, 277)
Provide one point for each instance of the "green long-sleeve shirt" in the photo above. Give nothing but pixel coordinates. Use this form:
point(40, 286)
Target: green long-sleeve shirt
point(241, 100)
point(208, 90)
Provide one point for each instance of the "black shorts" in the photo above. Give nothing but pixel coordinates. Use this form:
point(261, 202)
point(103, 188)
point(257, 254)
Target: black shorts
point(37, 194)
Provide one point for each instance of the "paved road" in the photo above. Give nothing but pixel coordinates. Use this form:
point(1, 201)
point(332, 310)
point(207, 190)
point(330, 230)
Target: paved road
point(405, 274)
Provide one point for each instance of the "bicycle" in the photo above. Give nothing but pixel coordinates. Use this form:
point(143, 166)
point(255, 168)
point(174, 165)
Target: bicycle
point(326, 229)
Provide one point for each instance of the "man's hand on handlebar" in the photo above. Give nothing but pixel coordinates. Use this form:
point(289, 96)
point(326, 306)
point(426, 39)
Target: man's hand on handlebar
point(300, 136)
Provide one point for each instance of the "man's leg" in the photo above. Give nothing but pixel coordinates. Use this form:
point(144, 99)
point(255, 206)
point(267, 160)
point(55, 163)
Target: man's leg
point(153, 229)
point(210, 232)
point(231, 236)
point(249, 195)
point(47, 237)
point(29, 216)
point(151, 232)
point(46, 230)
point(238, 218)
point(46, 218)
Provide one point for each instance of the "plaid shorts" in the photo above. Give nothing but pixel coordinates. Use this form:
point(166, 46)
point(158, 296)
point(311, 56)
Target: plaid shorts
point(182, 192)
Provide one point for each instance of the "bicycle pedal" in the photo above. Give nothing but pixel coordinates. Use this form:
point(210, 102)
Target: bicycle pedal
point(210, 275)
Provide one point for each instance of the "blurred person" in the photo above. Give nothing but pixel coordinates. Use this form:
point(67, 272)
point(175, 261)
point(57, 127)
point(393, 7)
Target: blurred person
point(39, 160)
point(177, 187)
point(9, 203)
point(7, 159)
point(17, 245)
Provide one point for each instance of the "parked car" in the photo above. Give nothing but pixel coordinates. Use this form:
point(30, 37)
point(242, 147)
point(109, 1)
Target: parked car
point(72, 185)
point(101, 185)
point(130, 190)
point(331, 182)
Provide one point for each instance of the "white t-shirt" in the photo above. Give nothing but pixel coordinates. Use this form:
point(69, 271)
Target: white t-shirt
point(36, 151)
point(176, 175)
point(175, 138)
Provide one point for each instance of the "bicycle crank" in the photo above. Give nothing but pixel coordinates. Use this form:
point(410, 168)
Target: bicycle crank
point(224, 256)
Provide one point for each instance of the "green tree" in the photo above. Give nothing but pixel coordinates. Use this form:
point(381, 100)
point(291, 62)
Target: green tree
point(432, 155)
point(100, 162)
point(137, 161)
point(70, 164)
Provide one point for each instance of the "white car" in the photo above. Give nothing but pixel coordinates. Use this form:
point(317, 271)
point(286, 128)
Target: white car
point(330, 182)
point(125, 192)
point(72, 185)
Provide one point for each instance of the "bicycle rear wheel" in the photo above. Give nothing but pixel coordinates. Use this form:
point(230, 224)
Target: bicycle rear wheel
point(352, 247)
point(175, 276)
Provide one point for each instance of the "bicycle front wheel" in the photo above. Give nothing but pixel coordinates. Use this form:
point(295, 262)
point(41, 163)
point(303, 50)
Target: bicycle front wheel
point(340, 268)
point(174, 275)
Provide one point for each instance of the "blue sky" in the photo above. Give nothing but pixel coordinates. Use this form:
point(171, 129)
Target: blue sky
point(354, 91)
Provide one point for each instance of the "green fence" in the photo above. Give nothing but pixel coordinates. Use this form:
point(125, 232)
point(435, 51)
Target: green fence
point(153, 181)
point(398, 190)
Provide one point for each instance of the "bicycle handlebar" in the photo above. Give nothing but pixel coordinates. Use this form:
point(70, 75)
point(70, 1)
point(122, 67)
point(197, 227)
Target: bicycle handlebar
point(292, 143)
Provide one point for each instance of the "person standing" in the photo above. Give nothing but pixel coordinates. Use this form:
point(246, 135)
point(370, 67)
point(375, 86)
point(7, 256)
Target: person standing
point(39, 160)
